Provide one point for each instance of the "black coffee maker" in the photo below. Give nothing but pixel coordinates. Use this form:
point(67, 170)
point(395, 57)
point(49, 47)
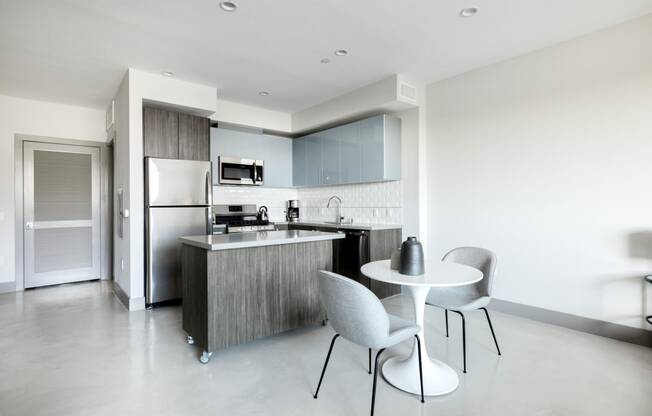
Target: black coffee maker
point(292, 210)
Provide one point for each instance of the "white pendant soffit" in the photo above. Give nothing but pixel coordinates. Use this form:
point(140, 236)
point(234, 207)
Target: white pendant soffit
point(390, 94)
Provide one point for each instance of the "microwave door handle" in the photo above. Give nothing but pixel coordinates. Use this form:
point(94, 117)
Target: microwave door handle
point(255, 172)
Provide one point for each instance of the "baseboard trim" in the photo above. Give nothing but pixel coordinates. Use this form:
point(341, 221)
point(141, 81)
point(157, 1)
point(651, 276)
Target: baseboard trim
point(7, 287)
point(131, 304)
point(579, 323)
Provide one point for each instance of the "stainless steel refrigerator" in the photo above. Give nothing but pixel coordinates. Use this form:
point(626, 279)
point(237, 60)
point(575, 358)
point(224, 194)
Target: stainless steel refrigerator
point(178, 200)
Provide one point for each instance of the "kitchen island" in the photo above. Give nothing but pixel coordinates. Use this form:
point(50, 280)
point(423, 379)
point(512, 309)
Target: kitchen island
point(240, 287)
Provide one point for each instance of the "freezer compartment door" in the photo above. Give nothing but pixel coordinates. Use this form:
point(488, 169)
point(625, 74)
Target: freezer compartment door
point(178, 182)
point(164, 227)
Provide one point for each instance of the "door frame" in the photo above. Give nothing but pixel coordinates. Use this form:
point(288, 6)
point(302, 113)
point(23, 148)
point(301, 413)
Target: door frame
point(106, 202)
point(32, 278)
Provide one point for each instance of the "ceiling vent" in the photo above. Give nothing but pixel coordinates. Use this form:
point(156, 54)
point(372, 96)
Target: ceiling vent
point(407, 92)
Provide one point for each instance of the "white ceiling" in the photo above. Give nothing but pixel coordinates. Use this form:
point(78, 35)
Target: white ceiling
point(76, 51)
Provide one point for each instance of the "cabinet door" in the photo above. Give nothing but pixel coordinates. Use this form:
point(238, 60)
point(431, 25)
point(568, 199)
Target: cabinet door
point(160, 133)
point(373, 149)
point(330, 155)
point(313, 159)
point(382, 244)
point(299, 162)
point(194, 138)
point(350, 153)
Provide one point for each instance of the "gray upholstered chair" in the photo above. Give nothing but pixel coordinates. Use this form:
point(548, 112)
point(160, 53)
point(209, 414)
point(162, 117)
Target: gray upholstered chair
point(357, 315)
point(471, 297)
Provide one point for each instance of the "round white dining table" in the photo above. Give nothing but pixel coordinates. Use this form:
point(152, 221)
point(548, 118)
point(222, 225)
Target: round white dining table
point(403, 372)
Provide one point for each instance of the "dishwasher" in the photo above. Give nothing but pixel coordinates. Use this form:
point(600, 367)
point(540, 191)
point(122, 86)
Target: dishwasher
point(351, 253)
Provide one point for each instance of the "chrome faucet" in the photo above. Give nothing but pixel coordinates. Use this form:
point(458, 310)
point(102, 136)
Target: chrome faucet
point(338, 219)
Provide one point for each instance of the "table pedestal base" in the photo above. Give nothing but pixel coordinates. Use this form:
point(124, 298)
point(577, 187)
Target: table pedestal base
point(403, 373)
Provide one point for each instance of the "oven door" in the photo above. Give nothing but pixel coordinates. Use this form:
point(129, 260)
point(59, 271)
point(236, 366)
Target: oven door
point(235, 171)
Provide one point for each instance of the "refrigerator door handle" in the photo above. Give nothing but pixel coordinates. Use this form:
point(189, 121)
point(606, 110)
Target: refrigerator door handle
point(209, 201)
point(149, 290)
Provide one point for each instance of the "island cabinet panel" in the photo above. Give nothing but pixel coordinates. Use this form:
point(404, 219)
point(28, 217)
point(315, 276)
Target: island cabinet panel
point(194, 292)
point(250, 293)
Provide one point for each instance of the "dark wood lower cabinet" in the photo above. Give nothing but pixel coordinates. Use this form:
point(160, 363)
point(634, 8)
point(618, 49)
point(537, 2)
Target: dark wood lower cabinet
point(382, 244)
point(350, 256)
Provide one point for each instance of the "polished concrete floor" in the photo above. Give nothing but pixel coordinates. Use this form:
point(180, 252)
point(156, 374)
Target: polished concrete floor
point(74, 350)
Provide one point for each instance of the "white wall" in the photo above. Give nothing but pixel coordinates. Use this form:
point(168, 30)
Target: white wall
point(247, 115)
point(38, 118)
point(121, 245)
point(383, 95)
point(547, 160)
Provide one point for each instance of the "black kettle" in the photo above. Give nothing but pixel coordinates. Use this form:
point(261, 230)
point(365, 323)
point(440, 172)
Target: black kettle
point(262, 213)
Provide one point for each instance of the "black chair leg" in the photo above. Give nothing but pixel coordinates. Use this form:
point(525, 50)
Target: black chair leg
point(463, 338)
point(420, 366)
point(328, 356)
point(492, 329)
point(369, 360)
point(446, 313)
point(373, 392)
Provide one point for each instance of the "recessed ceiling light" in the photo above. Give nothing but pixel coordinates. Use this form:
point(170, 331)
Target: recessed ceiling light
point(167, 74)
point(325, 61)
point(468, 12)
point(263, 93)
point(228, 6)
point(341, 52)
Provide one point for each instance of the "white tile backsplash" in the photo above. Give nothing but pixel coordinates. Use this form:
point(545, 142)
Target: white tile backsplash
point(374, 203)
point(273, 198)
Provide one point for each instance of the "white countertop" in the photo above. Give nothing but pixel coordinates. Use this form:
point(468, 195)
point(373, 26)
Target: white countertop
point(353, 226)
point(259, 239)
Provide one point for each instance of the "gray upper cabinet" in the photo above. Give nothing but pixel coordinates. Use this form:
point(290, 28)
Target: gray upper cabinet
point(160, 133)
point(330, 155)
point(299, 162)
point(275, 151)
point(194, 137)
point(314, 173)
point(368, 150)
point(350, 154)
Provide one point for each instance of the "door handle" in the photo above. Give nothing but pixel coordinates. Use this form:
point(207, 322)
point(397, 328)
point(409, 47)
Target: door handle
point(29, 225)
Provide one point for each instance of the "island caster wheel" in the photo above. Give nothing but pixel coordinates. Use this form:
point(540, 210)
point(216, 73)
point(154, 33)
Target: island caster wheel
point(190, 340)
point(205, 357)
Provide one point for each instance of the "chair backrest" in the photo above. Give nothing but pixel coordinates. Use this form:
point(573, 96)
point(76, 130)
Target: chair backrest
point(353, 310)
point(478, 258)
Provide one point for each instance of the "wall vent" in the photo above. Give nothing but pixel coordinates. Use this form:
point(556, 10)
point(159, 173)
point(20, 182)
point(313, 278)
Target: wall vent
point(407, 92)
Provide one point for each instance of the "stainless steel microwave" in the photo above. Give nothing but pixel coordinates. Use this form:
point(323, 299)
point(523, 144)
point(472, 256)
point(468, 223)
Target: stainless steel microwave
point(236, 171)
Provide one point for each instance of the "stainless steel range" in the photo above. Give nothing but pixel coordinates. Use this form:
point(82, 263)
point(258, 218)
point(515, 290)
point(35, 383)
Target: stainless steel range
point(239, 219)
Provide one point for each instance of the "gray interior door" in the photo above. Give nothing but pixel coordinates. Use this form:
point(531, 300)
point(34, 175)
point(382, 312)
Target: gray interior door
point(61, 213)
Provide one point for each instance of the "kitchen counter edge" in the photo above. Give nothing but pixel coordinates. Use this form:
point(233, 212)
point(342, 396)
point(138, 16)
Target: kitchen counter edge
point(353, 226)
point(260, 239)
